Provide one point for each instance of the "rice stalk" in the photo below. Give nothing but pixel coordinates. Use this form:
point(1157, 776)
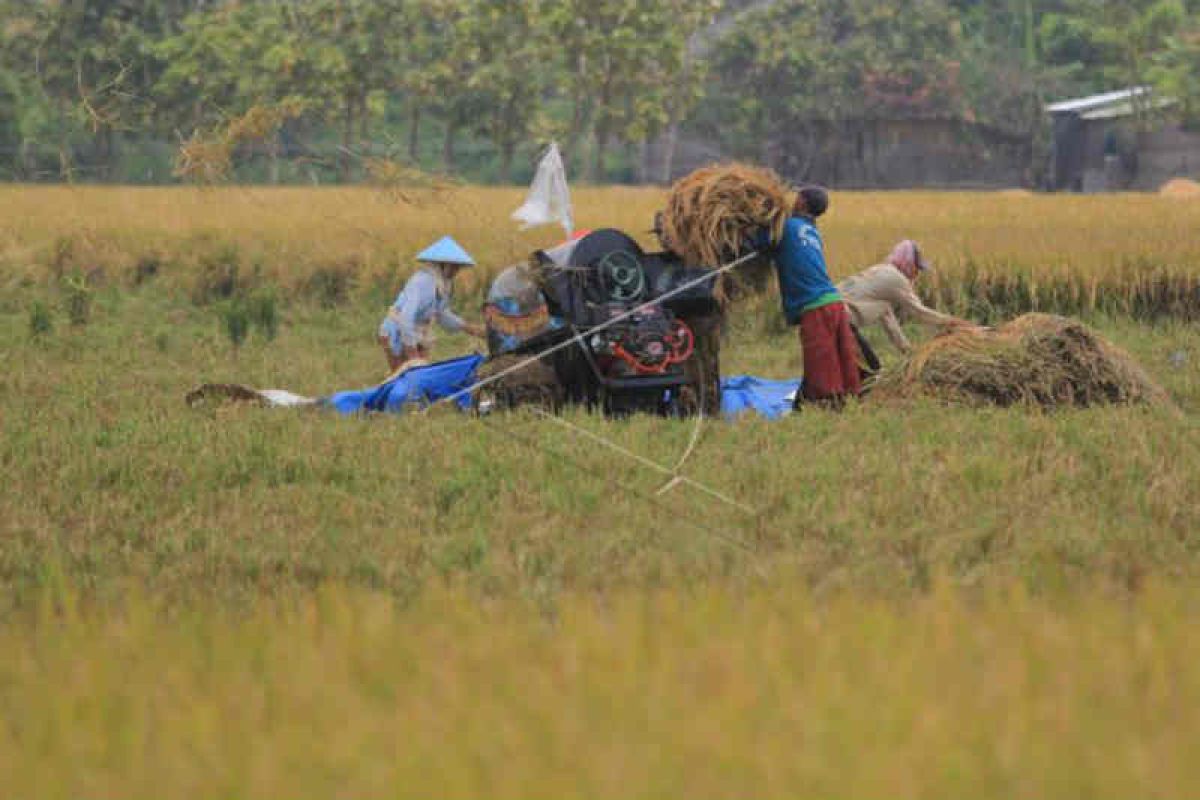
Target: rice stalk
point(1039, 360)
point(714, 213)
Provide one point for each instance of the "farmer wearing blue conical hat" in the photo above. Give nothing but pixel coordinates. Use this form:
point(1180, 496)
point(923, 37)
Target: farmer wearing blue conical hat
point(405, 333)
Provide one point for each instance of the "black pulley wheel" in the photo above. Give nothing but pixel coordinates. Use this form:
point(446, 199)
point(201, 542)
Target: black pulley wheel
point(621, 277)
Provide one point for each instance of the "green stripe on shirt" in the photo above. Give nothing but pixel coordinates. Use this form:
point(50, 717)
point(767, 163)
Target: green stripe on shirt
point(827, 299)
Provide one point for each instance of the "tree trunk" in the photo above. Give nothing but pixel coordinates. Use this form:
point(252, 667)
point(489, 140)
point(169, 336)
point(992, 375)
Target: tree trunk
point(1030, 35)
point(364, 125)
point(597, 171)
point(669, 148)
point(448, 146)
point(634, 155)
point(104, 152)
point(347, 140)
point(642, 173)
point(603, 128)
point(66, 167)
point(766, 146)
point(506, 160)
point(414, 133)
point(805, 163)
point(576, 129)
point(273, 146)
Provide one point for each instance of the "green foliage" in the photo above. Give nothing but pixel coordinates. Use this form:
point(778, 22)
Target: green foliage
point(859, 61)
point(1111, 43)
point(620, 59)
point(509, 47)
point(77, 299)
point(262, 308)
point(1177, 70)
point(218, 276)
point(330, 286)
point(41, 323)
point(242, 303)
point(235, 317)
point(147, 268)
point(496, 78)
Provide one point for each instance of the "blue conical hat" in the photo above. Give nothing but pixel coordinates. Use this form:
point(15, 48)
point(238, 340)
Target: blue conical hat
point(446, 251)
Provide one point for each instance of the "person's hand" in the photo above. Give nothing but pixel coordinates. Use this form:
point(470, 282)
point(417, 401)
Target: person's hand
point(478, 331)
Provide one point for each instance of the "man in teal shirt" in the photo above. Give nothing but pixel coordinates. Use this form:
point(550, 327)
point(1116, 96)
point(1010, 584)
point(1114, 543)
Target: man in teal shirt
point(811, 301)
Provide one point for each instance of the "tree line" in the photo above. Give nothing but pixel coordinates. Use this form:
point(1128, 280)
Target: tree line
point(112, 89)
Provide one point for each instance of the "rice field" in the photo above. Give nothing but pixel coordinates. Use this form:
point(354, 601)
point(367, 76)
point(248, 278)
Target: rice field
point(927, 600)
point(698, 693)
point(998, 254)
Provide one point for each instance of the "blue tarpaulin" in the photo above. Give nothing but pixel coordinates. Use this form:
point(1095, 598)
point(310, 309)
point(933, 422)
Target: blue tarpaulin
point(770, 399)
point(418, 386)
point(421, 386)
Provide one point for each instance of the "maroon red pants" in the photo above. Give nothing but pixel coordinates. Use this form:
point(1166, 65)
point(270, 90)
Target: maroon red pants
point(830, 354)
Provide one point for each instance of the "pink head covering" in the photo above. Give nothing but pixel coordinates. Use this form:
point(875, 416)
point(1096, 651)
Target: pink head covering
point(907, 257)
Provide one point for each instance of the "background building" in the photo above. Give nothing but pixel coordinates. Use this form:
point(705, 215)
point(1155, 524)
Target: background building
point(1117, 141)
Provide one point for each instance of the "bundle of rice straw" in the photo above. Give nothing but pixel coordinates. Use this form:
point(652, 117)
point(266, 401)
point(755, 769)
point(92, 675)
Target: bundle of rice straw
point(1180, 187)
point(1038, 360)
point(712, 213)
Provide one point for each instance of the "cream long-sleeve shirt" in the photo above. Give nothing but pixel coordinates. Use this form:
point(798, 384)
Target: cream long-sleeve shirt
point(878, 294)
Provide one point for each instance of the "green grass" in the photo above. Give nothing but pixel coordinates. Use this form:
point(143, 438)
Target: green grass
point(110, 476)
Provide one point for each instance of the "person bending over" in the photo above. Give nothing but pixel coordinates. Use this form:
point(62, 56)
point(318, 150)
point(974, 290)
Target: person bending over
point(885, 293)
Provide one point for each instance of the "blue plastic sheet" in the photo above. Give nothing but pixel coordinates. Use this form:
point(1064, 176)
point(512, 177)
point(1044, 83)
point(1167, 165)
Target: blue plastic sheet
point(422, 386)
point(745, 393)
point(419, 386)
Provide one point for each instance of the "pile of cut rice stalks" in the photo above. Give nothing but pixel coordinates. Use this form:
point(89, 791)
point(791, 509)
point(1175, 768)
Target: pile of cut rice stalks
point(1037, 360)
point(714, 212)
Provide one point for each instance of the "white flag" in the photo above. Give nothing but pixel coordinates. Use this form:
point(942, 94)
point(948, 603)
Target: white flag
point(549, 197)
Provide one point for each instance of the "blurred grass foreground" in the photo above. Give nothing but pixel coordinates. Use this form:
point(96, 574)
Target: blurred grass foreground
point(713, 692)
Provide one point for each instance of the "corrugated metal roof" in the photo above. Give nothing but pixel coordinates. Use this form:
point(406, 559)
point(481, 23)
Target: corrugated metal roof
point(1095, 102)
point(1125, 109)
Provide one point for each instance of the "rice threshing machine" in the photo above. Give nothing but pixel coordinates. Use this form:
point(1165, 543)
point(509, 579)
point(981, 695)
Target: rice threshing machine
point(597, 321)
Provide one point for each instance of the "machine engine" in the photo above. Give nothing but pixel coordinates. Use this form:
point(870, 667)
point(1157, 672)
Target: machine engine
point(630, 353)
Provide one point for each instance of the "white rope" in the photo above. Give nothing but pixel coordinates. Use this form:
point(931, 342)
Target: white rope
point(580, 337)
point(695, 439)
point(676, 478)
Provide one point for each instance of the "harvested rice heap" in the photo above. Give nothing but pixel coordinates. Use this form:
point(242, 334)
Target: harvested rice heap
point(714, 211)
point(1037, 359)
point(1180, 187)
